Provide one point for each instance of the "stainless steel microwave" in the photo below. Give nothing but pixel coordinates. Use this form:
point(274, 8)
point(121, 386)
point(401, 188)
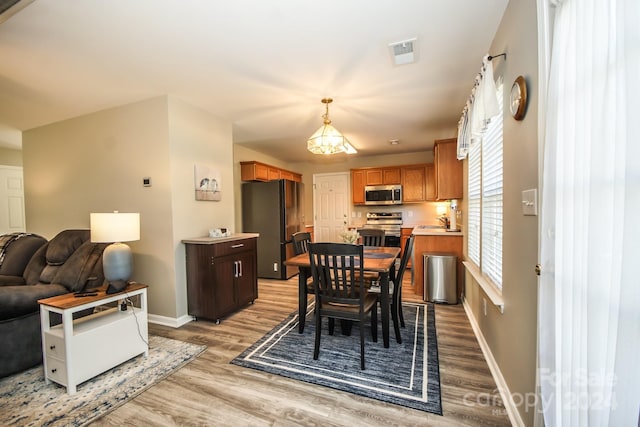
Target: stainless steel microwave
point(383, 195)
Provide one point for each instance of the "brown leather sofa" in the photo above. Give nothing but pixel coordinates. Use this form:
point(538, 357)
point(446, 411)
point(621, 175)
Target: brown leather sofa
point(67, 263)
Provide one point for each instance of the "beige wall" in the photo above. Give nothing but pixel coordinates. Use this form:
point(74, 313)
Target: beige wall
point(10, 157)
point(96, 163)
point(512, 335)
point(195, 136)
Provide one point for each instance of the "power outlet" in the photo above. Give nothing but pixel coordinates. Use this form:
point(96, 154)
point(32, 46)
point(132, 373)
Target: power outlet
point(484, 305)
point(275, 267)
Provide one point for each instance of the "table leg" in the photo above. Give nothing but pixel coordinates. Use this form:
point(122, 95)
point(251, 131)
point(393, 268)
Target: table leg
point(384, 307)
point(302, 298)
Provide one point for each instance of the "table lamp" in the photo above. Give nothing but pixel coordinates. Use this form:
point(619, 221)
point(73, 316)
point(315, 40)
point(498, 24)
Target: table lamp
point(117, 260)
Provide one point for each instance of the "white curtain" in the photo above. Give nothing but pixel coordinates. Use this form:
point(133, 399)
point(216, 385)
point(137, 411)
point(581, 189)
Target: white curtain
point(480, 108)
point(589, 300)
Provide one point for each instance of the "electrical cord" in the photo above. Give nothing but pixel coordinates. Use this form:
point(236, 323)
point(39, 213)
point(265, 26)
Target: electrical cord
point(128, 300)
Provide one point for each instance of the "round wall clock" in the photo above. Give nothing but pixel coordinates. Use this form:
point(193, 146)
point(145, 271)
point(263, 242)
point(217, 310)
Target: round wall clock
point(518, 98)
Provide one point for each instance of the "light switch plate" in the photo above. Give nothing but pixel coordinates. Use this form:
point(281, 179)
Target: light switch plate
point(530, 202)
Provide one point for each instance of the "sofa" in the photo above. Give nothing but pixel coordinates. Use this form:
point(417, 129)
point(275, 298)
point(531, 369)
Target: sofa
point(33, 269)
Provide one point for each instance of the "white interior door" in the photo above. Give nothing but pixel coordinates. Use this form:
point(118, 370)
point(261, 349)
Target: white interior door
point(331, 206)
point(12, 217)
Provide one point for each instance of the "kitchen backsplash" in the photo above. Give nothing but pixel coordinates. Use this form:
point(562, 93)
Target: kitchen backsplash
point(412, 213)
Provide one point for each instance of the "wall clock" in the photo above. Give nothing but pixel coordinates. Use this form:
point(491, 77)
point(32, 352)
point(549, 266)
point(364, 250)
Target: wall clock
point(518, 98)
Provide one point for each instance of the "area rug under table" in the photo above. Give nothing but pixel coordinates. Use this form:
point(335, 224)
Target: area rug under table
point(405, 374)
point(25, 399)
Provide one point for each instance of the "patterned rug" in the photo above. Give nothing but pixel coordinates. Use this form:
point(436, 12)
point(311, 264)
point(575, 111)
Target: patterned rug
point(405, 374)
point(25, 399)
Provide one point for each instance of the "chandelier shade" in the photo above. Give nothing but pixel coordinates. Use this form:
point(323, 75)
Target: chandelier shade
point(327, 139)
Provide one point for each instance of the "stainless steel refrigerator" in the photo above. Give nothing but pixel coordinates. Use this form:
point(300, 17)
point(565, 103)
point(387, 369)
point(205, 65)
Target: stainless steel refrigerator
point(273, 209)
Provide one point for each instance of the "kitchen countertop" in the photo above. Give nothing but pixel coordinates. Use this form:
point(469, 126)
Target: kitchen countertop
point(211, 240)
point(430, 230)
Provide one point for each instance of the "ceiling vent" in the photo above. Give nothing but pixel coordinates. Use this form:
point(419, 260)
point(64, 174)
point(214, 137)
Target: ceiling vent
point(8, 8)
point(403, 52)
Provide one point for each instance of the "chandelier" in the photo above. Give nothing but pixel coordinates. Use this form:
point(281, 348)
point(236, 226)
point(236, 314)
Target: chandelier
point(327, 139)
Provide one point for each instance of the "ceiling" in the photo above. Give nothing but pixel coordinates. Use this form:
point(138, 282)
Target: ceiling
point(262, 65)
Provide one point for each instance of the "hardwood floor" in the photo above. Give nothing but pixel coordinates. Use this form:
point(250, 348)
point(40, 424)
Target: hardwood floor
point(212, 392)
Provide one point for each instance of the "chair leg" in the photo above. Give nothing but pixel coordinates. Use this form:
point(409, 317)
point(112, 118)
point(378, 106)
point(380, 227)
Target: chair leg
point(332, 325)
point(396, 321)
point(374, 323)
point(316, 349)
point(362, 344)
point(400, 307)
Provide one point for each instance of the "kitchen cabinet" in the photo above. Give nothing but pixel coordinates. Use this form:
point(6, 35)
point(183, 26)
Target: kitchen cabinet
point(256, 171)
point(448, 170)
point(442, 242)
point(414, 183)
point(430, 182)
point(221, 275)
point(357, 186)
point(372, 176)
point(391, 176)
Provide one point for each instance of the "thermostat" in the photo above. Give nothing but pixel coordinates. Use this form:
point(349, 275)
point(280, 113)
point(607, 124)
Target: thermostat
point(146, 181)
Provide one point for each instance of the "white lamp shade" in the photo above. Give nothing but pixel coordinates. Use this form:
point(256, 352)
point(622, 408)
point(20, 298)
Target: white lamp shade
point(328, 140)
point(115, 227)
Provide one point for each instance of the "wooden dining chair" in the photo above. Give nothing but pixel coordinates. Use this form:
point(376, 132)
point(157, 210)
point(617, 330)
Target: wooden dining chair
point(395, 289)
point(301, 241)
point(372, 236)
point(339, 294)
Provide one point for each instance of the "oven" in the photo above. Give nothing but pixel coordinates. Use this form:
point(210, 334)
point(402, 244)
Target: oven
point(390, 222)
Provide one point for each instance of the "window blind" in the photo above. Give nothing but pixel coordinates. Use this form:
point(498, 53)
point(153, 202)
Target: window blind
point(492, 191)
point(473, 204)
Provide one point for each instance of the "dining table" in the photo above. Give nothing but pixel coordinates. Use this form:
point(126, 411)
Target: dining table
point(376, 259)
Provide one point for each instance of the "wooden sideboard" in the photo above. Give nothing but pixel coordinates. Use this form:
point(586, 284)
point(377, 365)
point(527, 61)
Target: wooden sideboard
point(221, 274)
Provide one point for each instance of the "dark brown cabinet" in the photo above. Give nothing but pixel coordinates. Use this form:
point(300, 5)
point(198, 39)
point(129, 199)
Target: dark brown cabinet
point(221, 276)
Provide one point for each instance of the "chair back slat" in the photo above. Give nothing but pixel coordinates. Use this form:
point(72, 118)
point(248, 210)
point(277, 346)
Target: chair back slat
point(372, 236)
point(301, 241)
point(335, 268)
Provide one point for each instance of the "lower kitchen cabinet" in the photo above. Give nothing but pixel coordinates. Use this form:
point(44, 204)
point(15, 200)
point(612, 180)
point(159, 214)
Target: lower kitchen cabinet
point(436, 243)
point(221, 275)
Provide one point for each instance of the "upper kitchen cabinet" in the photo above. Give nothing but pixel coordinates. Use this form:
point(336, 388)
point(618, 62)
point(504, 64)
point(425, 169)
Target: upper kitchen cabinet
point(256, 171)
point(382, 176)
point(414, 183)
point(357, 186)
point(391, 176)
point(372, 176)
point(448, 170)
point(430, 190)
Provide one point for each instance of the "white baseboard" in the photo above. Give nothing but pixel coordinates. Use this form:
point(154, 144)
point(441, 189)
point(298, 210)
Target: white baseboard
point(505, 393)
point(170, 321)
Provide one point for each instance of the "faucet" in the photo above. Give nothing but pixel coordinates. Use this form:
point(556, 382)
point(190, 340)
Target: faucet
point(444, 221)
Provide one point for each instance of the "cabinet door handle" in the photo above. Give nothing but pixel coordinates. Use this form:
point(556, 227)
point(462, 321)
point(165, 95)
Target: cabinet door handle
point(240, 265)
point(52, 347)
point(235, 269)
point(239, 245)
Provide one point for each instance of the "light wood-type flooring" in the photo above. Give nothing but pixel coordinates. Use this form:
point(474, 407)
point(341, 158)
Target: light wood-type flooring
point(210, 391)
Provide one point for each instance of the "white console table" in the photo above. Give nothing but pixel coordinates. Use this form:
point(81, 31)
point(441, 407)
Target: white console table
point(80, 349)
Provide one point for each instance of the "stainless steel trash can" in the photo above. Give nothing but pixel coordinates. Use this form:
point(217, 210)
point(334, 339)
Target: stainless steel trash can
point(440, 277)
